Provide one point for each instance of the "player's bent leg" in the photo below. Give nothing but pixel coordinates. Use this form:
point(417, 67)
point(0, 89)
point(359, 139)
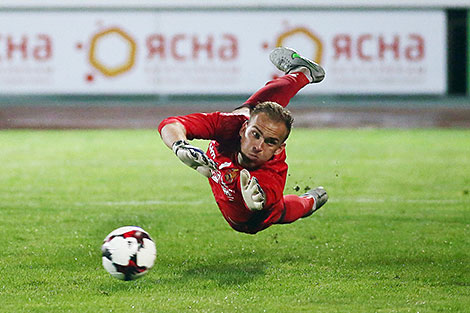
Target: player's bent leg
point(280, 90)
point(302, 206)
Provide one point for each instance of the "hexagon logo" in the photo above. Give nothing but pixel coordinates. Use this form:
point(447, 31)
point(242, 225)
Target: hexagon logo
point(112, 52)
point(305, 34)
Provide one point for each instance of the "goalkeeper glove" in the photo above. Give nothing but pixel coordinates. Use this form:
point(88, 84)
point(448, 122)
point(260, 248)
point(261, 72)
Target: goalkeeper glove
point(252, 193)
point(194, 157)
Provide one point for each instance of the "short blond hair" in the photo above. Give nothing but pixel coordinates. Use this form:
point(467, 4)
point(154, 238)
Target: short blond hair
point(275, 112)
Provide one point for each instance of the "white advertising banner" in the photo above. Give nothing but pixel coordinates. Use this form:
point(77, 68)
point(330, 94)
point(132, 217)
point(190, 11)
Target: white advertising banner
point(219, 52)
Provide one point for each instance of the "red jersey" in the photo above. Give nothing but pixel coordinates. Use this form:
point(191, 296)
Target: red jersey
point(223, 129)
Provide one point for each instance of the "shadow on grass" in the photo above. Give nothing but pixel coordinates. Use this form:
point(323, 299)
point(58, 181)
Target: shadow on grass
point(221, 271)
point(228, 272)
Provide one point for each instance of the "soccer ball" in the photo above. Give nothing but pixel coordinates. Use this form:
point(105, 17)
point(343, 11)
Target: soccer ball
point(128, 253)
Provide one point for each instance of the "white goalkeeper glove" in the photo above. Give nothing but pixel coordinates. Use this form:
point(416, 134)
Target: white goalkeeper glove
point(194, 157)
point(252, 193)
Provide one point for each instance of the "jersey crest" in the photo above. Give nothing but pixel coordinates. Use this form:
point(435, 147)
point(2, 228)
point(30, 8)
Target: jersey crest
point(231, 175)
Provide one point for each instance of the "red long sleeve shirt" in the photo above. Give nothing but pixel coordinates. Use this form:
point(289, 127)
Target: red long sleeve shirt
point(223, 131)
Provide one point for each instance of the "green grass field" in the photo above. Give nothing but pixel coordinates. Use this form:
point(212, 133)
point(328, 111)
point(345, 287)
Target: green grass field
point(394, 237)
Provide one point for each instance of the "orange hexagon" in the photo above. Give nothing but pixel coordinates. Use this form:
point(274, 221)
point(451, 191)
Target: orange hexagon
point(306, 32)
point(101, 65)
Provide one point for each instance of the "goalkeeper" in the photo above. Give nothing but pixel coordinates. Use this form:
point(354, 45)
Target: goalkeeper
point(245, 160)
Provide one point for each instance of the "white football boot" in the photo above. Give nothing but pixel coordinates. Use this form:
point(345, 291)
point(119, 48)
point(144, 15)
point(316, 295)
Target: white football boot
point(319, 195)
point(289, 61)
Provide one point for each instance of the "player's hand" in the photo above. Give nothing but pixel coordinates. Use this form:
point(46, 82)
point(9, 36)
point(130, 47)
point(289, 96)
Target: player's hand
point(194, 157)
point(252, 193)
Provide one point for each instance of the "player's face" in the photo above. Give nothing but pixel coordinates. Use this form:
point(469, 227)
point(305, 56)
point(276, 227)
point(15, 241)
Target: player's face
point(261, 139)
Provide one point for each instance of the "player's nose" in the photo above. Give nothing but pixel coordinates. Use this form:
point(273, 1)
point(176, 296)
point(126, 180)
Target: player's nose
point(258, 145)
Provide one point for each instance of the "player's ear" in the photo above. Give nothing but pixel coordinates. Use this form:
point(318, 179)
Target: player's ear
point(280, 149)
point(243, 129)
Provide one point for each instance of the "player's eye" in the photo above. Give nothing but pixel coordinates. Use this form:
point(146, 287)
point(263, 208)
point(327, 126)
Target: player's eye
point(270, 142)
point(255, 134)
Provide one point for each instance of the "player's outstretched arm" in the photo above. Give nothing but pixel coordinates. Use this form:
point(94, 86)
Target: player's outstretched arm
point(174, 136)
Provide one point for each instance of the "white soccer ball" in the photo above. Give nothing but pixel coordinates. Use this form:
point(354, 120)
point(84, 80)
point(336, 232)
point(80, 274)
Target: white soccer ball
point(128, 253)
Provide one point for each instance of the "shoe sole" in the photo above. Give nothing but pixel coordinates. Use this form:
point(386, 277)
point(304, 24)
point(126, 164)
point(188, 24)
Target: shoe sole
point(285, 59)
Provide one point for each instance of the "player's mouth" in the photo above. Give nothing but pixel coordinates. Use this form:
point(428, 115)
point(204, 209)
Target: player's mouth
point(253, 156)
point(247, 160)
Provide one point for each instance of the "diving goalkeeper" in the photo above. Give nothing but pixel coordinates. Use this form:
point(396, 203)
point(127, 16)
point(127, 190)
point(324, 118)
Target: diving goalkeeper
point(246, 158)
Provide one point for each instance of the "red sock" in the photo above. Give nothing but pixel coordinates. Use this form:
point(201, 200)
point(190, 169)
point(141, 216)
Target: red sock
point(279, 90)
point(296, 207)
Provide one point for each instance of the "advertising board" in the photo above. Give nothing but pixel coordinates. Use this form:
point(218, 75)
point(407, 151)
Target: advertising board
point(221, 52)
